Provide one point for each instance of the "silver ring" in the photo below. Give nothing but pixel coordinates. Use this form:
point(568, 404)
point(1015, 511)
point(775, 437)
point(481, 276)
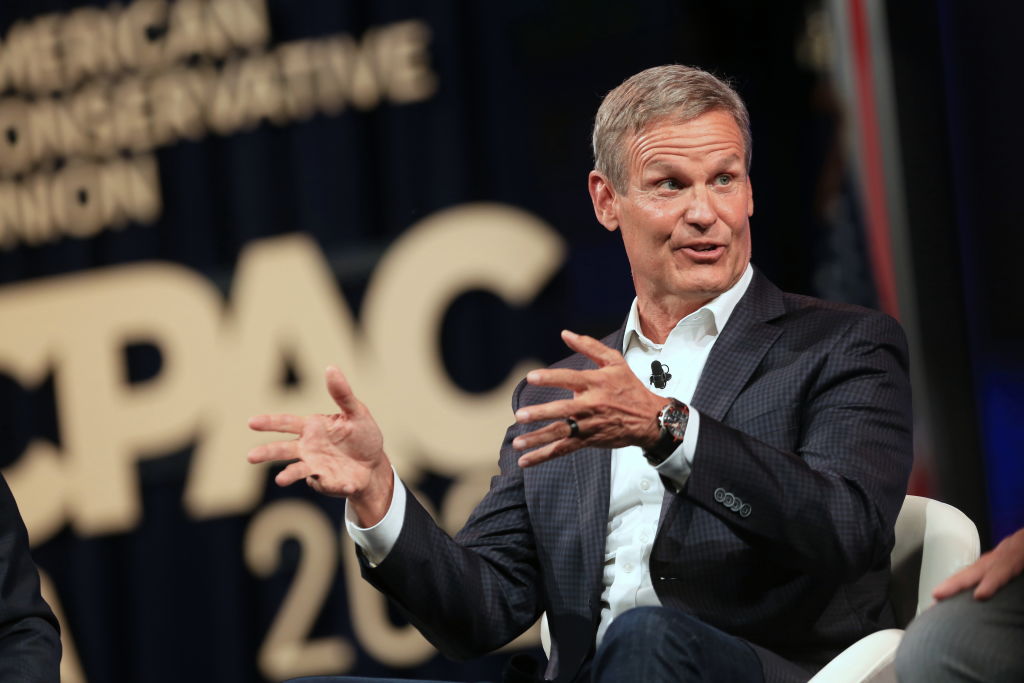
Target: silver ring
point(574, 428)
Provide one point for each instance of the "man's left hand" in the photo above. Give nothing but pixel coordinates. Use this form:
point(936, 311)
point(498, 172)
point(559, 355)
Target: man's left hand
point(611, 406)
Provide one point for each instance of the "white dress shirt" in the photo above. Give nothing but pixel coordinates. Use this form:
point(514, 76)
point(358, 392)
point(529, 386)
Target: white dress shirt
point(636, 487)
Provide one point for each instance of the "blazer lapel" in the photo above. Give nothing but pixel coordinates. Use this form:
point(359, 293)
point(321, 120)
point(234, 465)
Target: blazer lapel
point(737, 353)
point(740, 347)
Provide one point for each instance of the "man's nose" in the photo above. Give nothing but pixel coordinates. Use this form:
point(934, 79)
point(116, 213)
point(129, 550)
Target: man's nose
point(699, 212)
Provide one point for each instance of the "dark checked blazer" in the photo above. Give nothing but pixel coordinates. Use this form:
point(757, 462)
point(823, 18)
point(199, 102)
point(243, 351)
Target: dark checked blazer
point(780, 536)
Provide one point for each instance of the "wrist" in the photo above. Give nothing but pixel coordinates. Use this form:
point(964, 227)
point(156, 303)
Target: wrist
point(671, 422)
point(653, 431)
point(373, 501)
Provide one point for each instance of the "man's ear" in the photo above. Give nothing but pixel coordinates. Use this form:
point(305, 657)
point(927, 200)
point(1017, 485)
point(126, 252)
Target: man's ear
point(606, 205)
point(750, 198)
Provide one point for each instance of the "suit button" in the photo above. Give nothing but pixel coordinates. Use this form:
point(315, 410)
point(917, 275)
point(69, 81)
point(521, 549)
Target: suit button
point(728, 500)
point(745, 510)
point(736, 505)
point(719, 495)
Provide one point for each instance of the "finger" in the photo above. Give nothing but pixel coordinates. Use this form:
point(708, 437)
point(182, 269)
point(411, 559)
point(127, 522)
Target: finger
point(552, 450)
point(542, 436)
point(553, 410)
point(340, 391)
point(963, 579)
point(994, 579)
point(278, 450)
point(291, 474)
point(591, 348)
point(289, 424)
point(574, 380)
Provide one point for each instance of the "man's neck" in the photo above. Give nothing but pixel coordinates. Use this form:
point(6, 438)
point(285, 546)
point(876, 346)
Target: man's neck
point(658, 318)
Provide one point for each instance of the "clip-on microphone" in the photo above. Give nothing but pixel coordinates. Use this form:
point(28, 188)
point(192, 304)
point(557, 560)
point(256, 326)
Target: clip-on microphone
point(659, 375)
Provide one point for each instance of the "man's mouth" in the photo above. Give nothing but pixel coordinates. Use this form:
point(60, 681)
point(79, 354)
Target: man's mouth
point(703, 252)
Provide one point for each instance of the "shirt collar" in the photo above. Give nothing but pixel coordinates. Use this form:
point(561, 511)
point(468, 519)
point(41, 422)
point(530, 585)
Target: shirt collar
point(714, 314)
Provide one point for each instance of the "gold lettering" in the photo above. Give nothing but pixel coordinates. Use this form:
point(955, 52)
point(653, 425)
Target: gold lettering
point(364, 86)
point(10, 220)
point(284, 307)
point(334, 56)
point(226, 113)
point(106, 423)
point(76, 199)
point(178, 104)
point(187, 33)
point(29, 62)
point(298, 76)
point(259, 91)
point(140, 29)
point(91, 108)
point(89, 44)
point(244, 23)
point(410, 78)
point(288, 651)
point(15, 148)
point(131, 116)
point(130, 190)
point(35, 214)
point(482, 246)
point(44, 66)
point(47, 120)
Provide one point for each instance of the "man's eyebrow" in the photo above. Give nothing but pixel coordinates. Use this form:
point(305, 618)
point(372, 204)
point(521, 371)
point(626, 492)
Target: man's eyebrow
point(730, 160)
point(660, 166)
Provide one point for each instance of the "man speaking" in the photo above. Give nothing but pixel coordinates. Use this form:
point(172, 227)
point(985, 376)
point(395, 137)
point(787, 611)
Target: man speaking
point(708, 493)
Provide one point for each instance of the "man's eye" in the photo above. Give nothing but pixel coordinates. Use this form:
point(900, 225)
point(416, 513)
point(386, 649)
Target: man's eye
point(723, 179)
point(669, 184)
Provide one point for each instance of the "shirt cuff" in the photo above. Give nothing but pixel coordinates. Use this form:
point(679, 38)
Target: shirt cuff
point(676, 467)
point(378, 540)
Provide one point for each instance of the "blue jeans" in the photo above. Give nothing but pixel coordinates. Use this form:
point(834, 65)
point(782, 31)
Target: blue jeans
point(359, 679)
point(654, 644)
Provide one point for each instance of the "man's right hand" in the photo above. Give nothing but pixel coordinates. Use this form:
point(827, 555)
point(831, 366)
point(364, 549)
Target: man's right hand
point(339, 455)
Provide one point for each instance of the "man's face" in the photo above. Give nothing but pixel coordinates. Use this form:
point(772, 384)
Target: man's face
point(685, 210)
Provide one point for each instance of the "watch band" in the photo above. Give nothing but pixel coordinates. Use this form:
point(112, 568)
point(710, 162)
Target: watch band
point(672, 422)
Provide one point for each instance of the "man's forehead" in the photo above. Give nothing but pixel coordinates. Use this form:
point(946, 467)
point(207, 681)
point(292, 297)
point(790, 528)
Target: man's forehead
point(707, 136)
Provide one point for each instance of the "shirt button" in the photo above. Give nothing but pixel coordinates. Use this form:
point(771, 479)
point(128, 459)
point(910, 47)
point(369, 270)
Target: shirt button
point(645, 485)
point(628, 567)
point(644, 537)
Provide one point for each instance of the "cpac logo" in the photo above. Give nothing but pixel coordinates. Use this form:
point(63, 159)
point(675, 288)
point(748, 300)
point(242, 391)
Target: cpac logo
point(222, 361)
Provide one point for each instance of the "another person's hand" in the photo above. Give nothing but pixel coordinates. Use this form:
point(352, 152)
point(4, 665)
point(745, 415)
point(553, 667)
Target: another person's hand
point(990, 572)
point(339, 455)
point(611, 407)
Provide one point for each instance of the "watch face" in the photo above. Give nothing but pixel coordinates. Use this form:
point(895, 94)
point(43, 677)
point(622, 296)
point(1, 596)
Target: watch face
point(674, 418)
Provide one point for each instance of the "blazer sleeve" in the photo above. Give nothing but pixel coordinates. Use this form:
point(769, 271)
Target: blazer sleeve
point(819, 461)
point(474, 593)
point(29, 635)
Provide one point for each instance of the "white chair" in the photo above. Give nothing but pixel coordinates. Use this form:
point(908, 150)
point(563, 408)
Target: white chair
point(933, 540)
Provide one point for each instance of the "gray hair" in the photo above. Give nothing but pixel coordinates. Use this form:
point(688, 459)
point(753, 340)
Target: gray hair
point(679, 92)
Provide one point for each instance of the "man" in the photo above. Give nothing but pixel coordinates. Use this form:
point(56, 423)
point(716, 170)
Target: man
point(971, 635)
point(29, 636)
point(723, 514)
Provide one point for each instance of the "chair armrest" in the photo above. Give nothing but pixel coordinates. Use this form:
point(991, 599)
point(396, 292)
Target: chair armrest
point(869, 659)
